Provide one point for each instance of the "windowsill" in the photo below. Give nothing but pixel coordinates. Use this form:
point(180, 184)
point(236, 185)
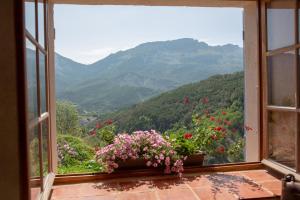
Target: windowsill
point(280, 168)
point(80, 178)
point(247, 184)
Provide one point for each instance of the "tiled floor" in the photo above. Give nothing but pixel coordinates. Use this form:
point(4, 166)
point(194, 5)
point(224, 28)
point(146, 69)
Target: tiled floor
point(253, 184)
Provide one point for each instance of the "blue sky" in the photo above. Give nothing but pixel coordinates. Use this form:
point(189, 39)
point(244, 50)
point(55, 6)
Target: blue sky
point(89, 33)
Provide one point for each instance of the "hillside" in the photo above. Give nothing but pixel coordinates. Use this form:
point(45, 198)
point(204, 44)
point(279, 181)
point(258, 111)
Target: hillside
point(134, 75)
point(175, 108)
point(128, 77)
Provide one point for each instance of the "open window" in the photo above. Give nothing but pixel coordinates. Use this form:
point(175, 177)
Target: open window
point(280, 69)
point(41, 82)
point(40, 147)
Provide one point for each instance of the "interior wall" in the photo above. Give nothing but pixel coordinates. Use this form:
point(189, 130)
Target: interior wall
point(11, 176)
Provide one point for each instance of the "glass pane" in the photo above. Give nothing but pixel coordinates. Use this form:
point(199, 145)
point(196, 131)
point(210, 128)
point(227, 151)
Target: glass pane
point(35, 183)
point(45, 149)
point(282, 137)
point(30, 16)
point(31, 80)
point(280, 24)
point(282, 81)
point(43, 88)
point(41, 22)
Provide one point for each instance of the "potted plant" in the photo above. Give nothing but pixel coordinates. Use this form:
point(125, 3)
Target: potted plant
point(185, 144)
point(141, 147)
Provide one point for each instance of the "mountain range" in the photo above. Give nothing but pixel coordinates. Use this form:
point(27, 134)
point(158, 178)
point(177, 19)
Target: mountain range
point(137, 74)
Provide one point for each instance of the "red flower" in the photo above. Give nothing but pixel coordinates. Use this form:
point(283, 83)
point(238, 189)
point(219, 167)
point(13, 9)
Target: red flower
point(218, 128)
point(93, 132)
point(228, 123)
point(220, 149)
point(206, 112)
point(214, 137)
point(188, 136)
point(212, 119)
point(186, 100)
point(98, 125)
point(234, 130)
point(204, 100)
point(108, 122)
point(248, 128)
point(224, 113)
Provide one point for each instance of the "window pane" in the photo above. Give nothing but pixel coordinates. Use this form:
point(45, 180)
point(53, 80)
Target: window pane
point(280, 24)
point(282, 132)
point(30, 17)
point(41, 22)
point(45, 140)
point(43, 89)
point(34, 163)
point(31, 80)
point(282, 81)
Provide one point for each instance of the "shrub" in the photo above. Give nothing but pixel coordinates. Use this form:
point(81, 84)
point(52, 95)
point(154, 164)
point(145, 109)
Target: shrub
point(67, 118)
point(75, 156)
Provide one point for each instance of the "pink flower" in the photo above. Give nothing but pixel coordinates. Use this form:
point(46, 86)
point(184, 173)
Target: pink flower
point(161, 156)
point(149, 163)
point(155, 165)
point(167, 161)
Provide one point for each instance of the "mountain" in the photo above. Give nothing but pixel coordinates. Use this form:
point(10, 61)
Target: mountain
point(175, 107)
point(134, 75)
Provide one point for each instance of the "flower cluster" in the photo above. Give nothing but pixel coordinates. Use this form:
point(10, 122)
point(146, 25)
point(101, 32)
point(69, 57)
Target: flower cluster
point(147, 145)
point(64, 150)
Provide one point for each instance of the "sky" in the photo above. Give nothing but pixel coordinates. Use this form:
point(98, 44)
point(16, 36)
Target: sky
point(87, 34)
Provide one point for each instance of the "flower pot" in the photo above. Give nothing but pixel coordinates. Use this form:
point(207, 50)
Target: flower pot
point(195, 160)
point(132, 164)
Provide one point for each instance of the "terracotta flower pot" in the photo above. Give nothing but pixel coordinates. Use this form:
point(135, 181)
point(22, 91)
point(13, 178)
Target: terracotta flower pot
point(132, 164)
point(195, 160)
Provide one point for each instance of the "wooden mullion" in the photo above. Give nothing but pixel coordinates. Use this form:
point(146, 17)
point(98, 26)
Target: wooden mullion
point(264, 71)
point(34, 41)
point(281, 108)
point(39, 97)
point(282, 50)
point(47, 84)
point(297, 94)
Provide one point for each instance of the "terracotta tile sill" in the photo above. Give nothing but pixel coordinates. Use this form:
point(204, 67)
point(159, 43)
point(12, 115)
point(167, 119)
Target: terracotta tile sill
point(254, 184)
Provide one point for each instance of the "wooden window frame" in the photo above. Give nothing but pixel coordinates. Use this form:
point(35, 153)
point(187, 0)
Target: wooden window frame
point(45, 181)
point(252, 60)
point(266, 107)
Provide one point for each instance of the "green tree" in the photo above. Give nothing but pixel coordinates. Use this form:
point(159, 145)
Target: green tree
point(67, 118)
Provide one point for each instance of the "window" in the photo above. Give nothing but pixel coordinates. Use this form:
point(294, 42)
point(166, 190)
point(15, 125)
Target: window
point(281, 78)
point(38, 97)
point(100, 104)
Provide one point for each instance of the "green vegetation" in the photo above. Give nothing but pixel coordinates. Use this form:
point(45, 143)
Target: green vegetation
point(205, 116)
point(67, 118)
point(174, 109)
point(75, 155)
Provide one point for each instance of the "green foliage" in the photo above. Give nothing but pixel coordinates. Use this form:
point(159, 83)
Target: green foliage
point(102, 137)
point(182, 145)
point(168, 110)
point(67, 118)
point(84, 167)
point(220, 135)
point(74, 154)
